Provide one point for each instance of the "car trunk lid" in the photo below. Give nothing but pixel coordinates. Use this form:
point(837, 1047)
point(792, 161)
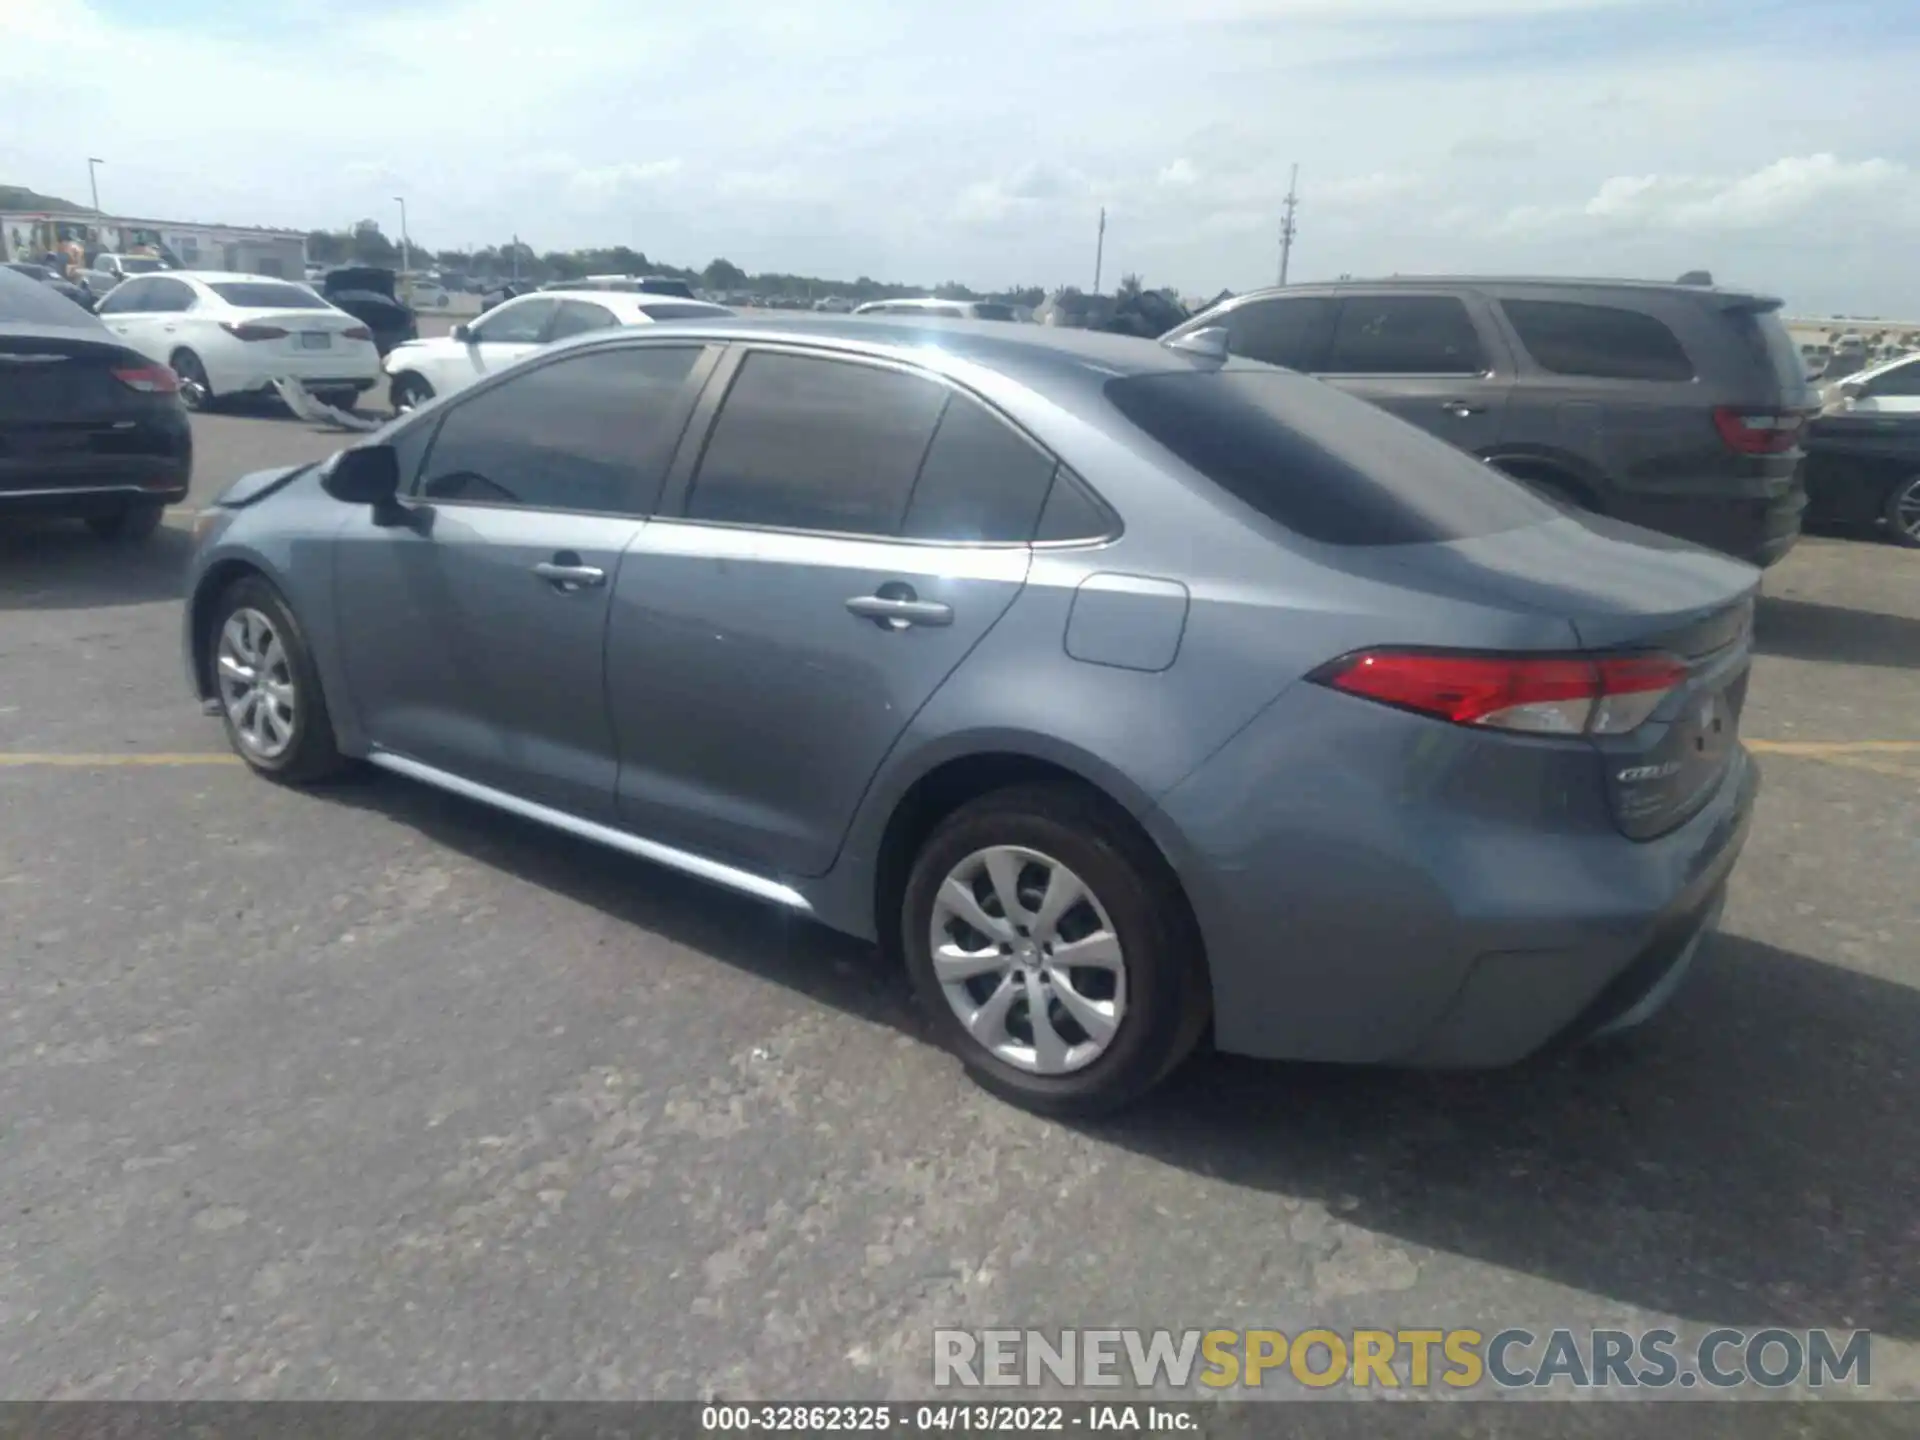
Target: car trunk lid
point(1624, 592)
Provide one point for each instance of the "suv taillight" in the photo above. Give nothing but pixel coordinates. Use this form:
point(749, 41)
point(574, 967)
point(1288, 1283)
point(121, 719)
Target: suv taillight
point(1758, 432)
point(1539, 695)
point(148, 379)
point(253, 332)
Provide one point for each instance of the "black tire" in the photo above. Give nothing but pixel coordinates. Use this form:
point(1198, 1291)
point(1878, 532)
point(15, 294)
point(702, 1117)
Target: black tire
point(128, 526)
point(1168, 996)
point(310, 754)
point(338, 399)
point(408, 391)
point(1903, 512)
point(196, 391)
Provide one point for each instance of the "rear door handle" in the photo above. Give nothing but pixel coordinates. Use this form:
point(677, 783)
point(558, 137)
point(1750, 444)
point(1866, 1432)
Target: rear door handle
point(897, 613)
point(567, 574)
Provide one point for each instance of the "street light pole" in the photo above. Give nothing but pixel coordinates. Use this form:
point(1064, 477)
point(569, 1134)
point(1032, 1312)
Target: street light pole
point(405, 260)
point(93, 163)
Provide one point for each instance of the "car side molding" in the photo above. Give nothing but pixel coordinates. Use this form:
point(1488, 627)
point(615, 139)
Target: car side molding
point(687, 863)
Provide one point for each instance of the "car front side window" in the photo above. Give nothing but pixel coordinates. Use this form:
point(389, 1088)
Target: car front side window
point(591, 433)
point(516, 323)
point(131, 297)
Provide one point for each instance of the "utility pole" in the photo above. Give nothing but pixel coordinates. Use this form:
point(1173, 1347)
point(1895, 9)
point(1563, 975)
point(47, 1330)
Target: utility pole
point(405, 258)
point(1287, 227)
point(93, 163)
point(516, 257)
point(1099, 249)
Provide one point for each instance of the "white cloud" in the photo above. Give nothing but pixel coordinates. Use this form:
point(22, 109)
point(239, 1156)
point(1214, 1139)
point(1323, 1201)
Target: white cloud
point(922, 142)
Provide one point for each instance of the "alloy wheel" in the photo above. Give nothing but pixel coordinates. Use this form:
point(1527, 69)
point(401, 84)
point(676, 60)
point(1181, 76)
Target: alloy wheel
point(257, 688)
point(1029, 960)
point(1905, 510)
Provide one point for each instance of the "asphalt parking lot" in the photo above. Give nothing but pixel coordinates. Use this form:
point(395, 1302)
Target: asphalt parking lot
point(370, 1092)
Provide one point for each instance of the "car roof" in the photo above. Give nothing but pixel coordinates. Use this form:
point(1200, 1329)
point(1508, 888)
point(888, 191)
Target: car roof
point(625, 299)
point(1505, 282)
point(1041, 357)
point(220, 277)
point(1905, 358)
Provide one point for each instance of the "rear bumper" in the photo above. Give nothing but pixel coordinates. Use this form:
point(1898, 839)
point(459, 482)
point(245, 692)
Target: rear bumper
point(356, 369)
point(1377, 888)
point(1757, 529)
point(86, 485)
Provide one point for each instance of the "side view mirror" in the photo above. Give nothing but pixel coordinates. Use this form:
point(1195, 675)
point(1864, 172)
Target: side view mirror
point(364, 475)
point(463, 333)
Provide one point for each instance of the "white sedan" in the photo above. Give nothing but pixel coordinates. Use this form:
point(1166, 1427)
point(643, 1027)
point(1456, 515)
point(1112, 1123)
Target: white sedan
point(422, 369)
point(228, 334)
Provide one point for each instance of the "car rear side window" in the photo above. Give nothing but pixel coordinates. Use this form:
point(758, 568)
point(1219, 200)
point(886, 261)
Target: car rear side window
point(590, 432)
point(981, 481)
point(804, 443)
point(1293, 333)
point(1405, 335)
point(266, 295)
point(1601, 341)
point(1326, 465)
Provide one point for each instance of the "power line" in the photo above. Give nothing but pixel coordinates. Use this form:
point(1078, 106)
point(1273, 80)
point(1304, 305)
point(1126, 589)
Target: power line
point(1287, 228)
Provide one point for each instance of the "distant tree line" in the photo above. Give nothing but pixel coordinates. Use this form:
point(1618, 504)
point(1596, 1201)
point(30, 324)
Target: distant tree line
point(367, 244)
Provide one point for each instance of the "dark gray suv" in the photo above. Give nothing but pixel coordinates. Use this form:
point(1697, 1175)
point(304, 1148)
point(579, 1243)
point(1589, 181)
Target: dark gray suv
point(1675, 406)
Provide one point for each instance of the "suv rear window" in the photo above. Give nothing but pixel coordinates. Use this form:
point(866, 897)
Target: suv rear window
point(1327, 466)
point(1602, 341)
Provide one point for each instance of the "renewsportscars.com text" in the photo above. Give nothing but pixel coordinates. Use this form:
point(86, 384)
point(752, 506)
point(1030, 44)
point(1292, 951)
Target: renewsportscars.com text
point(1416, 1359)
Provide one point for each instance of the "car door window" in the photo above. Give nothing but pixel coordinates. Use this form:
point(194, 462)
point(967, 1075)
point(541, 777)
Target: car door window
point(171, 297)
point(524, 323)
point(590, 432)
point(1602, 341)
point(806, 443)
point(131, 297)
point(1405, 335)
point(981, 481)
point(1902, 381)
point(577, 317)
point(1294, 333)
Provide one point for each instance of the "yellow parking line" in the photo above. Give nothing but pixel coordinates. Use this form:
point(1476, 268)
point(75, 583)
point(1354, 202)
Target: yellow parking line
point(1826, 750)
point(100, 762)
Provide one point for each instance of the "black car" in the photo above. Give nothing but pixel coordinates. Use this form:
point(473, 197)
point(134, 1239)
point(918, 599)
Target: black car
point(1865, 468)
point(367, 292)
point(88, 428)
point(1678, 406)
point(55, 282)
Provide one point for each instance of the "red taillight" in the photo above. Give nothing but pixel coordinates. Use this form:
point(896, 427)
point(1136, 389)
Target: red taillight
point(253, 332)
point(148, 379)
point(1557, 695)
point(1758, 432)
point(357, 332)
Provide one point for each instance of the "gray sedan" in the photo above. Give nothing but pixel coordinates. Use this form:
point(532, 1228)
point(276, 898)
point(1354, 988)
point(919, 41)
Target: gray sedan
point(1127, 691)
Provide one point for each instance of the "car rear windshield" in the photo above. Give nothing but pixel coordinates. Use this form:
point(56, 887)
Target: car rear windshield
point(987, 310)
point(33, 302)
point(693, 310)
point(1327, 466)
point(267, 295)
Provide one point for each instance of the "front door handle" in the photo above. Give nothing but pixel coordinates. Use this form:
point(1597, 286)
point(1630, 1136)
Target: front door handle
point(1460, 409)
point(566, 574)
point(897, 612)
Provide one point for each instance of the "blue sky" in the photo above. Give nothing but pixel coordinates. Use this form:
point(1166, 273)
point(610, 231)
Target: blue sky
point(1775, 144)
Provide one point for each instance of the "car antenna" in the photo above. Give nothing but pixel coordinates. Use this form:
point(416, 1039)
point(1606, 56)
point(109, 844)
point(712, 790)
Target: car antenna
point(1206, 343)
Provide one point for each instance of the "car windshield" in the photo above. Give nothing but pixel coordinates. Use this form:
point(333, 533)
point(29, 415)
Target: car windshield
point(1327, 466)
point(267, 295)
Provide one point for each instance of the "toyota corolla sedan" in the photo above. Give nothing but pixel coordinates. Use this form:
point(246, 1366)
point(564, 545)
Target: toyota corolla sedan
point(1129, 692)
